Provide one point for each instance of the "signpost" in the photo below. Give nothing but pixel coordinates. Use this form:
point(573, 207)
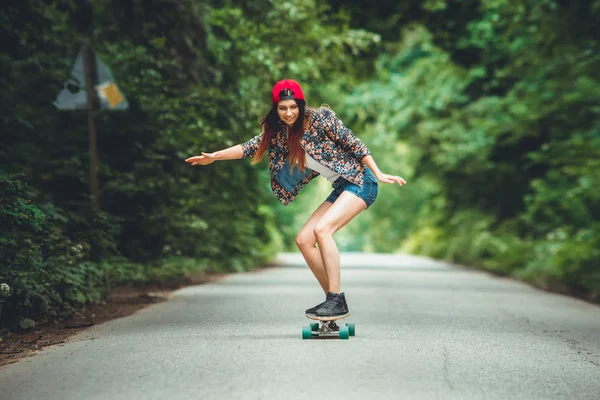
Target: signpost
point(91, 107)
point(95, 87)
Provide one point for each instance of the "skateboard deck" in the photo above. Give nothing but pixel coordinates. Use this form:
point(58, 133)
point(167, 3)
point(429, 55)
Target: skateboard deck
point(334, 318)
point(327, 327)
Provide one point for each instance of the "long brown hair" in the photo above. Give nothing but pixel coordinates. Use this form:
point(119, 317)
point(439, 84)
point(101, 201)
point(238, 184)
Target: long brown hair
point(268, 124)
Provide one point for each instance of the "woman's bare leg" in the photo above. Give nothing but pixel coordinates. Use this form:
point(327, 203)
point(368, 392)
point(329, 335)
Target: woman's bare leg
point(306, 243)
point(340, 213)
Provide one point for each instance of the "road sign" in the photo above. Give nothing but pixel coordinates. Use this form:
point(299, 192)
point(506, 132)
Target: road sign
point(91, 86)
point(73, 96)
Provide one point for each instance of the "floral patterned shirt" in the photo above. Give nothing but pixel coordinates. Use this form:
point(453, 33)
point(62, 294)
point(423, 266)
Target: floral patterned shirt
point(325, 139)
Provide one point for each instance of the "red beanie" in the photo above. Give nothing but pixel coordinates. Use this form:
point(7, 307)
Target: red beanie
point(296, 90)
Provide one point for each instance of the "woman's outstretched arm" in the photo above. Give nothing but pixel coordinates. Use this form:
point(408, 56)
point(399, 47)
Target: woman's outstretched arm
point(244, 150)
point(231, 153)
point(383, 178)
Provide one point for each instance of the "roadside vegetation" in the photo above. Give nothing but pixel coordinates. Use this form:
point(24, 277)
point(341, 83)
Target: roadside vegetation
point(490, 109)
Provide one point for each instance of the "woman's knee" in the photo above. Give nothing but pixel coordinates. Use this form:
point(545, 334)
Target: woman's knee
point(305, 240)
point(322, 231)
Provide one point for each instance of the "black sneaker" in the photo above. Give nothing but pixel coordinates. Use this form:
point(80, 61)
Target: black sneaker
point(314, 309)
point(334, 306)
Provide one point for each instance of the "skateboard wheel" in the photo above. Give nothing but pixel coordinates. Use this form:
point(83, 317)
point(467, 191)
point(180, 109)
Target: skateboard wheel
point(306, 332)
point(314, 326)
point(344, 333)
point(351, 329)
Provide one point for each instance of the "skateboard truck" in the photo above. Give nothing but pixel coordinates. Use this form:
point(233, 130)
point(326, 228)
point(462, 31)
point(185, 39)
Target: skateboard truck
point(327, 327)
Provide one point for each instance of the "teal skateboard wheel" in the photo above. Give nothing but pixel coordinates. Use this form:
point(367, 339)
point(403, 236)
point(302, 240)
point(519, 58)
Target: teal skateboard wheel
point(314, 326)
point(306, 332)
point(344, 333)
point(351, 329)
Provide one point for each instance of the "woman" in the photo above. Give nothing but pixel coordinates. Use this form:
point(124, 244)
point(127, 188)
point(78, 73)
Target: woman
point(303, 143)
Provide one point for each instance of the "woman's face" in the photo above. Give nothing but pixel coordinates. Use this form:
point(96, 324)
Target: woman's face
point(288, 111)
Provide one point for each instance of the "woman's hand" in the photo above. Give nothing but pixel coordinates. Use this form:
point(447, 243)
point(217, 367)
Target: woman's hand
point(204, 159)
point(385, 178)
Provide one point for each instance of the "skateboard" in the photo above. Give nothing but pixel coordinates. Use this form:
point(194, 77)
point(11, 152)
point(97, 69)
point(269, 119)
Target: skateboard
point(327, 327)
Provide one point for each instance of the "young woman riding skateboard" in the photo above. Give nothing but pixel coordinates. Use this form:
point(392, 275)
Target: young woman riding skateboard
point(303, 143)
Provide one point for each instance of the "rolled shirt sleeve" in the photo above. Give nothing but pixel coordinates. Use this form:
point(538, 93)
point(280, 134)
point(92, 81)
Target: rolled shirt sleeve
point(344, 137)
point(251, 146)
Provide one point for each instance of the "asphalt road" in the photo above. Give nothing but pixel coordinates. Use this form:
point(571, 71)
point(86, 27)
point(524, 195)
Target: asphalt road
point(424, 330)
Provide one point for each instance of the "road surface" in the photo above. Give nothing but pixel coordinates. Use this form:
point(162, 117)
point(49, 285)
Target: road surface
point(424, 330)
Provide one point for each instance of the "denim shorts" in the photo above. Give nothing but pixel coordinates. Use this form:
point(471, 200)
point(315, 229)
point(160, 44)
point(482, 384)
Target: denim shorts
point(368, 191)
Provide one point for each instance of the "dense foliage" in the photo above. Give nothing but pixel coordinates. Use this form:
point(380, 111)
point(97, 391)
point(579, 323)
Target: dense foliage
point(197, 77)
point(490, 108)
point(498, 103)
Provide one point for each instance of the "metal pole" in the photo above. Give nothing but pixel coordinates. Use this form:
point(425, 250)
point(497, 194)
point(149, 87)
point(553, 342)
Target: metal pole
point(88, 65)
